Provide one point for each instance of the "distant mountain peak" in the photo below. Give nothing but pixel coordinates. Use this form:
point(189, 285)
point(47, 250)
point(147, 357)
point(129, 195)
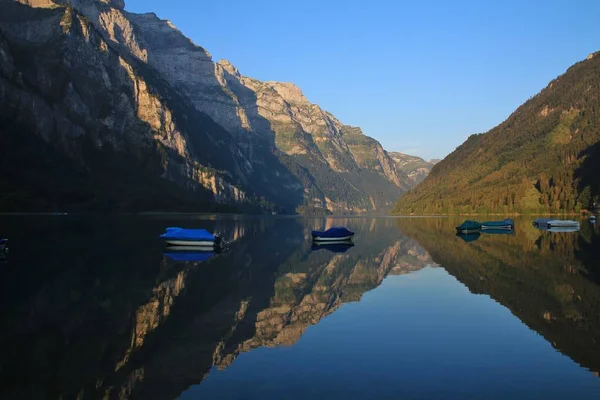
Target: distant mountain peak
point(415, 167)
point(229, 67)
point(289, 91)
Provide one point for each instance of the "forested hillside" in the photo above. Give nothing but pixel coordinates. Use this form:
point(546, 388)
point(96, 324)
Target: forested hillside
point(545, 158)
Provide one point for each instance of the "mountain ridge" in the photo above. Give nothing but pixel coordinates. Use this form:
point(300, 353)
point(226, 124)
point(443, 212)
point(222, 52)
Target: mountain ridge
point(251, 142)
point(541, 159)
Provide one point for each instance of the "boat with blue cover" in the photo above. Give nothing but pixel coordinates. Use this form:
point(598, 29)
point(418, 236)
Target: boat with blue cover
point(549, 223)
point(191, 237)
point(334, 247)
point(468, 226)
point(3, 244)
point(508, 224)
point(332, 235)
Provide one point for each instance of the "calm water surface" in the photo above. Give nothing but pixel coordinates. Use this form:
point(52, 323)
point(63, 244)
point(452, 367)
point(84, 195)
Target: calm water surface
point(96, 307)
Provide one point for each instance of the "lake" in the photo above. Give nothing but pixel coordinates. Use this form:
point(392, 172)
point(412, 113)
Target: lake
point(97, 307)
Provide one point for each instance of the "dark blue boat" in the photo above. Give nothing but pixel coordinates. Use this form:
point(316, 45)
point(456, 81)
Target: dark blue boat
point(190, 237)
point(3, 243)
point(338, 247)
point(333, 234)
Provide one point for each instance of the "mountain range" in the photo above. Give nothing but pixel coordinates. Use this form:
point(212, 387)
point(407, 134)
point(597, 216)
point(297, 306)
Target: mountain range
point(544, 158)
point(119, 110)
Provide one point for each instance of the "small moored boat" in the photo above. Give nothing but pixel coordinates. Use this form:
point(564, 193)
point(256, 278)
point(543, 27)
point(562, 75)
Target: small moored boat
point(3, 244)
point(559, 223)
point(469, 226)
point(555, 223)
point(191, 237)
point(332, 235)
point(508, 224)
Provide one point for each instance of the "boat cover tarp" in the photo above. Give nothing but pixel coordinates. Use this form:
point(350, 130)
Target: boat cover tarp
point(188, 234)
point(333, 233)
point(469, 225)
point(541, 221)
point(335, 247)
point(492, 224)
point(3, 241)
point(189, 256)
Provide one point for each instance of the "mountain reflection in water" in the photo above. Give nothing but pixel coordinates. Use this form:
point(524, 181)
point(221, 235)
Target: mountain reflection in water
point(100, 309)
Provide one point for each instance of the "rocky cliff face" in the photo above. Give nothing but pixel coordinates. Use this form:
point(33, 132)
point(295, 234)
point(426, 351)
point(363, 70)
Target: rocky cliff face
point(87, 70)
point(416, 168)
point(64, 79)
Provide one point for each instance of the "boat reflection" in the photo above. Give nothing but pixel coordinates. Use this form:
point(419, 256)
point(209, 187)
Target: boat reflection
point(189, 253)
point(336, 247)
point(469, 237)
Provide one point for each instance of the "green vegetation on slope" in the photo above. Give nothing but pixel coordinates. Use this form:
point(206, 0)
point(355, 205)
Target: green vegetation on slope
point(544, 158)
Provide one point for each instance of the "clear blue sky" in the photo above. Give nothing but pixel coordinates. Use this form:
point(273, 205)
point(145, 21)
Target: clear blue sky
point(419, 76)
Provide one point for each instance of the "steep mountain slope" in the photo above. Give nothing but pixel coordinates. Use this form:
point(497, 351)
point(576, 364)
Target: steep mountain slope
point(69, 92)
point(544, 158)
point(416, 168)
point(137, 84)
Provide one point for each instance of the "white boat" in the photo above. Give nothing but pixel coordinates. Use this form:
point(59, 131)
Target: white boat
point(560, 223)
point(555, 223)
